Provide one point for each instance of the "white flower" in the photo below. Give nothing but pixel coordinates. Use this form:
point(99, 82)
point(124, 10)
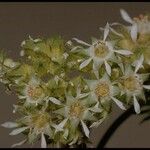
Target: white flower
point(76, 110)
point(103, 90)
point(38, 124)
point(138, 25)
point(101, 52)
point(131, 84)
point(33, 91)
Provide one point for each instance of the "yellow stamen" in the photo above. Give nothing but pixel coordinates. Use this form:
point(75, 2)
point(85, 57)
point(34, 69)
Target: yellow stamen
point(76, 109)
point(102, 89)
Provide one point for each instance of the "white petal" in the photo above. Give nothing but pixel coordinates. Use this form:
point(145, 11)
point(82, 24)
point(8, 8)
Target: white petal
point(83, 95)
point(62, 124)
point(85, 63)
point(85, 128)
point(125, 16)
point(81, 42)
point(55, 101)
point(17, 131)
point(96, 108)
point(115, 32)
point(75, 49)
point(124, 52)
point(18, 144)
point(134, 31)
point(9, 125)
point(97, 123)
point(119, 103)
point(66, 133)
point(108, 68)
point(95, 70)
point(106, 31)
point(139, 63)
point(43, 141)
point(136, 105)
point(146, 87)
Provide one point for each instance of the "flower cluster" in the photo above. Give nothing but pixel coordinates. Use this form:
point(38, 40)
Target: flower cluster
point(65, 88)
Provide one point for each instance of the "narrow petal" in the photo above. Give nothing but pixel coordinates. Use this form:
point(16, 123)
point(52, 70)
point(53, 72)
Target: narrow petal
point(134, 31)
point(95, 70)
point(119, 103)
point(19, 130)
point(115, 32)
point(97, 123)
point(62, 124)
point(9, 125)
point(136, 105)
point(139, 63)
point(81, 42)
point(106, 31)
point(108, 68)
point(55, 101)
point(96, 108)
point(66, 133)
point(43, 141)
point(124, 52)
point(146, 87)
point(125, 16)
point(85, 63)
point(83, 95)
point(76, 48)
point(85, 128)
point(18, 144)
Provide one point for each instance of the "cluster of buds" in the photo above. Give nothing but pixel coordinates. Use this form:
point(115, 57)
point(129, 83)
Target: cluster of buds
point(66, 88)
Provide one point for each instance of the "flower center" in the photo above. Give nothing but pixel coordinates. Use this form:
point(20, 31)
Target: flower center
point(76, 110)
point(141, 18)
point(101, 50)
point(131, 83)
point(40, 120)
point(102, 90)
point(34, 92)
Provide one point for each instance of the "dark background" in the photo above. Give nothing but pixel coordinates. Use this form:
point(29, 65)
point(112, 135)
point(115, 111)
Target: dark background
point(82, 20)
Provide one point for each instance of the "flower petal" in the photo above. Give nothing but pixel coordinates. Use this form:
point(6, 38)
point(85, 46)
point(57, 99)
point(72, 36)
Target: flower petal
point(97, 123)
point(108, 68)
point(85, 128)
point(119, 103)
point(134, 31)
point(83, 95)
point(43, 141)
point(17, 131)
point(115, 32)
point(106, 31)
point(125, 16)
point(136, 105)
point(81, 42)
point(139, 63)
point(18, 144)
point(85, 63)
point(124, 52)
point(146, 87)
point(9, 125)
point(55, 101)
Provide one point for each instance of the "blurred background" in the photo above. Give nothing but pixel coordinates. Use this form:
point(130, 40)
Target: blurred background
point(81, 20)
